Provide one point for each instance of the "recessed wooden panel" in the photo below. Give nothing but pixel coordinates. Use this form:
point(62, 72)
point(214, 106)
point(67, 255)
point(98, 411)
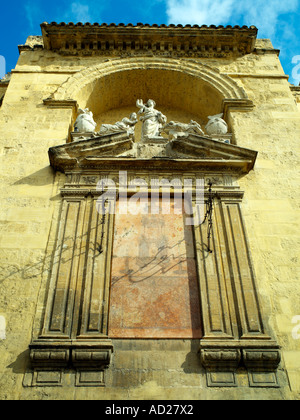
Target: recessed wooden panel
point(154, 286)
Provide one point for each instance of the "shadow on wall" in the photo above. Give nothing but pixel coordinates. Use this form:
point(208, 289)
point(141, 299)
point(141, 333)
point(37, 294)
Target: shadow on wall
point(20, 364)
point(40, 178)
point(192, 360)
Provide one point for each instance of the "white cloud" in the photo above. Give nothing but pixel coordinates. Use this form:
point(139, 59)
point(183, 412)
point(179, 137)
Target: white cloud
point(201, 12)
point(296, 69)
point(32, 13)
point(29, 11)
point(277, 20)
point(80, 12)
point(264, 14)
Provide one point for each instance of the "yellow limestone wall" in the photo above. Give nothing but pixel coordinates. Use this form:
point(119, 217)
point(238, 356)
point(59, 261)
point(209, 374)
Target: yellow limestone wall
point(29, 196)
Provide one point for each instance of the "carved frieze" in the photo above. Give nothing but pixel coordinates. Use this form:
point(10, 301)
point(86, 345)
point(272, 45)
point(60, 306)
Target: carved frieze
point(143, 39)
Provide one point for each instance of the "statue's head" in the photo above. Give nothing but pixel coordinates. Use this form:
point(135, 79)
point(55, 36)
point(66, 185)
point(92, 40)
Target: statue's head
point(133, 116)
point(85, 111)
point(215, 117)
point(150, 102)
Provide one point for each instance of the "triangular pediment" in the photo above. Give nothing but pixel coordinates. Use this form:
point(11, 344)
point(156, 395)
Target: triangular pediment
point(120, 151)
point(203, 147)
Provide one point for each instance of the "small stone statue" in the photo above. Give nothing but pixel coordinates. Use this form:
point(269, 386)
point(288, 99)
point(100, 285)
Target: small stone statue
point(216, 125)
point(152, 119)
point(127, 124)
point(85, 122)
point(175, 129)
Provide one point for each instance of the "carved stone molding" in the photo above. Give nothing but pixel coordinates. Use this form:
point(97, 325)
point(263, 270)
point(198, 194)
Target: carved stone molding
point(193, 153)
point(222, 359)
point(240, 105)
point(203, 73)
point(78, 353)
point(50, 359)
point(262, 365)
point(64, 103)
point(110, 40)
point(221, 365)
point(97, 357)
point(45, 354)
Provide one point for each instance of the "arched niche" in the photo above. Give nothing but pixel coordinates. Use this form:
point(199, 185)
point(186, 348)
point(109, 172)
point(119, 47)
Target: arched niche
point(182, 90)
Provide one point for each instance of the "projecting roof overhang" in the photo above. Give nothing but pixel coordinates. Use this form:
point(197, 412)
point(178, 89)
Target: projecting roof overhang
point(188, 40)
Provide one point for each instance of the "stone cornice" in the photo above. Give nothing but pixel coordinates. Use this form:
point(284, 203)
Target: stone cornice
point(179, 40)
point(192, 153)
point(67, 103)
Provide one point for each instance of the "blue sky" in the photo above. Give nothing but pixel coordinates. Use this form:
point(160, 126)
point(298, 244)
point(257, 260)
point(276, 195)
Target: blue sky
point(278, 20)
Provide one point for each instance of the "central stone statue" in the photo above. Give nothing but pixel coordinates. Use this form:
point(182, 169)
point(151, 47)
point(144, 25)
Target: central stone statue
point(152, 119)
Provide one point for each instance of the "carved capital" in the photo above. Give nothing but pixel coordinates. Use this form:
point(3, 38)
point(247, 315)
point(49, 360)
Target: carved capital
point(261, 359)
point(262, 365)
point(51, 355)
point(220, 359)
point(87, 355)
point(220, 364)
point(95, 354)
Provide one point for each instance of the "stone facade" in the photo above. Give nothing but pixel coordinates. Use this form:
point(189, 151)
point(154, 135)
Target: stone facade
point(63, 332)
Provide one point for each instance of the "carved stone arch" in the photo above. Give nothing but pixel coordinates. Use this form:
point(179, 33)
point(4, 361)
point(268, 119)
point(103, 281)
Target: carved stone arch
point(179, 84)
point(223, 83)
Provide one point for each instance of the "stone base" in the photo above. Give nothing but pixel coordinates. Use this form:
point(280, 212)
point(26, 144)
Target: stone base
point(50, 360)
point(221, 361)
